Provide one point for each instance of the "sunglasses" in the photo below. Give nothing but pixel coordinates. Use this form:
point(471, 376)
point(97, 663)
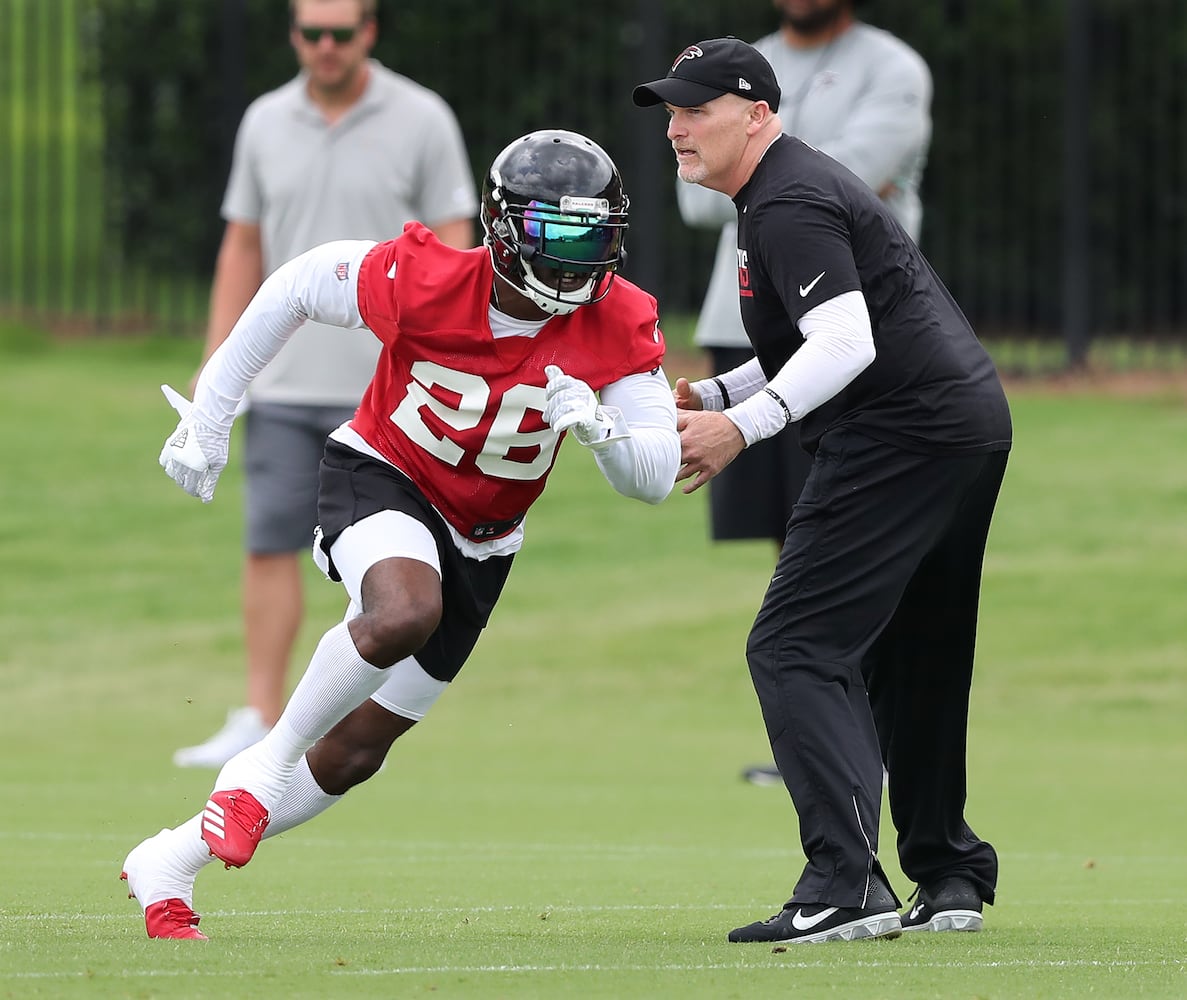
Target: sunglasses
point(341, 36)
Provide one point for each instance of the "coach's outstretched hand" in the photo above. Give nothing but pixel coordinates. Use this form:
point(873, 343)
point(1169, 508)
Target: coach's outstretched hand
point(195, 453)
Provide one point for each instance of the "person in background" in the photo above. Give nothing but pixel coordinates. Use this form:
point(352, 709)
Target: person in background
point(862, 650)
point(490, 359)
point(348, 149)
point(863, 96)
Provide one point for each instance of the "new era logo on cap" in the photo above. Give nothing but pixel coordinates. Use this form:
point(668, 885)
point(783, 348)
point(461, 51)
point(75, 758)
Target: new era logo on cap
point(705, 71)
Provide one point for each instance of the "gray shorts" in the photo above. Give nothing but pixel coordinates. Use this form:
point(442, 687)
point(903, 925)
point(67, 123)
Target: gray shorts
point(283, 446)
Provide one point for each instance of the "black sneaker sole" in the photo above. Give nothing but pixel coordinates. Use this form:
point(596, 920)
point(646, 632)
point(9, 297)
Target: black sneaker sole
point(886, 926)
point(879, 925)
point(950, 920)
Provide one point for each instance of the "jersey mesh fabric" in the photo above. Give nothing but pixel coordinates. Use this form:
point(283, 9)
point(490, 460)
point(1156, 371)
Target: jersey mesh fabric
point(460, 412)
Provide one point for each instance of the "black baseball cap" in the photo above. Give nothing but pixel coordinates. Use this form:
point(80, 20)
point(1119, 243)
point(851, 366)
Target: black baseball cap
point(709, 69)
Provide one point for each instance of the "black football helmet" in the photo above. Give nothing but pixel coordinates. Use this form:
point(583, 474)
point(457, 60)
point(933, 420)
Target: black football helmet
point(554, 217)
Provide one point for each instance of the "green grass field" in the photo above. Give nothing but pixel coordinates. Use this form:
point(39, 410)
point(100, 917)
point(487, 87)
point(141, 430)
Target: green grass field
point(570, 821)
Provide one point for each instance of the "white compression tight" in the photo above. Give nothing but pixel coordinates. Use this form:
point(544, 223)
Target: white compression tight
point(337, 679)
point(336, 682)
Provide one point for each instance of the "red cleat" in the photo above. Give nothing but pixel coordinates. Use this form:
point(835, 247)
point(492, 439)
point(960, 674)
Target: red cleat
point(171, 918)
point(233, 824)
point(149, 876)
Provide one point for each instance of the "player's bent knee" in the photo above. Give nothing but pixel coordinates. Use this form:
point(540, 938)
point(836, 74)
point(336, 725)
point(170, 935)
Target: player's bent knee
point(355, 749)
point(386, 638)
point(339, 772)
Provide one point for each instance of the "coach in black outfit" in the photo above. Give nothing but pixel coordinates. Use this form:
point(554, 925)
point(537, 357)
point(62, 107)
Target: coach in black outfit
point(862, 651)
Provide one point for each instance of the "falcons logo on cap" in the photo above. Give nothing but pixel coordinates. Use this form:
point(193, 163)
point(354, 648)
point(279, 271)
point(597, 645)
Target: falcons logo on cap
point(692, 52)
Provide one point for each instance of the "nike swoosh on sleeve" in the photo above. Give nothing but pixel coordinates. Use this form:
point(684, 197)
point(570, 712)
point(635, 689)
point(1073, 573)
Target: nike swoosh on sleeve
point(805, 289)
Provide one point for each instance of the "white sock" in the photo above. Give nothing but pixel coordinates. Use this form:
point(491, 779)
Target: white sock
point(303, 799)
point(178, 855)
point(189, 851)
point(171, 862)
point(335, 683)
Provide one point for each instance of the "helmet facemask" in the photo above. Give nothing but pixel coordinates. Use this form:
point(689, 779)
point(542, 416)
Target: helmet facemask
point(561, 256)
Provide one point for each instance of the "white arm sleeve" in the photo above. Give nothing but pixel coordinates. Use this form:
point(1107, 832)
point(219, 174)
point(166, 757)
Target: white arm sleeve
point(643, 463)
point(310, 286)
point(838, 346)
point(739, 383)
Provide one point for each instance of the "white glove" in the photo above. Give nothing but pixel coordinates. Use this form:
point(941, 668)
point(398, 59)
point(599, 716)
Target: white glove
point(195, 453)
point(570, 405)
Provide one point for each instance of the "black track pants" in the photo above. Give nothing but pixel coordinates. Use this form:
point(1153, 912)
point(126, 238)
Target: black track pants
point(862, 651)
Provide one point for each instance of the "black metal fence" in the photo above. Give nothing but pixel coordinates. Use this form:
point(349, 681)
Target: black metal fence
point(1055, 195)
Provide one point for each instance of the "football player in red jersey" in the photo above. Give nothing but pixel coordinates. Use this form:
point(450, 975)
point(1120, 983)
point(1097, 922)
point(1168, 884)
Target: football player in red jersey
point(490, 357)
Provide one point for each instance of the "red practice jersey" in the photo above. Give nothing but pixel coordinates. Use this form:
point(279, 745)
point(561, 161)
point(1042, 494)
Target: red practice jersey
point(460, 412)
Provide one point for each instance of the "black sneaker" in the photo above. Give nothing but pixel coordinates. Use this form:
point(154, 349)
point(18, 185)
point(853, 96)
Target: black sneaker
point(951, 904)
point(768, 774)
point(762, 774)
point(813, 922)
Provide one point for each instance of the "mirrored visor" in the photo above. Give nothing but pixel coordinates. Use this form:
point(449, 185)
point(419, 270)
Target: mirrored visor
point(573, 239)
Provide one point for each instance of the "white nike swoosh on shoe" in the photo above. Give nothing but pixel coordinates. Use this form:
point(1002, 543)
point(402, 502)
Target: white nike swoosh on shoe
point(805, 289)
point(915, 911)
point(803, 923)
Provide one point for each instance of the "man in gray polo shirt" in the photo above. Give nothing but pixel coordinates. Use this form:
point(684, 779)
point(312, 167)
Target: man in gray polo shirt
point(347, 149)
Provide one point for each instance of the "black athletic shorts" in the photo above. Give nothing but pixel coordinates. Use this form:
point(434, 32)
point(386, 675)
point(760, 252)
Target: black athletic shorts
point(354, 486)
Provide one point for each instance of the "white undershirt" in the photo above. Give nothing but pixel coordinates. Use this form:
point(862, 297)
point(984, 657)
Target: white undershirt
point(502, 325)
point(838, 346)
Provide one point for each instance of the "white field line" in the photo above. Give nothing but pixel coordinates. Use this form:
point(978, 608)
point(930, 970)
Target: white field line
point(774, 965)
point(532, 908)
point(454, 851)
point(404, 911)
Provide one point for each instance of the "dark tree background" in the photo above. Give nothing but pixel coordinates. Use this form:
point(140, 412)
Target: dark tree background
point(177, 76)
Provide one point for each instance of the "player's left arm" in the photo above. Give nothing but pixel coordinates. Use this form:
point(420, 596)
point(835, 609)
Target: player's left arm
point(631, 430)
point(642, 465)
